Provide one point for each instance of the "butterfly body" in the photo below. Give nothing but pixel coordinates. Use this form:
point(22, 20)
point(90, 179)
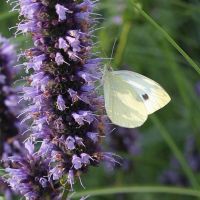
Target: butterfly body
point(130, 97)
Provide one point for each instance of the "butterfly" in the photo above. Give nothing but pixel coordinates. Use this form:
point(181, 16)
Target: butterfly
point(130, 97)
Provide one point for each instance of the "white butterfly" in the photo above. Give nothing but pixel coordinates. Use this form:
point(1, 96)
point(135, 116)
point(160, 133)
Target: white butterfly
point(130, 97)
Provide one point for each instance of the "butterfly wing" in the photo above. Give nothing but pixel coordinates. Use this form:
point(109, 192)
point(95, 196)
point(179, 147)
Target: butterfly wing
point(123, 105)
point(150, 92)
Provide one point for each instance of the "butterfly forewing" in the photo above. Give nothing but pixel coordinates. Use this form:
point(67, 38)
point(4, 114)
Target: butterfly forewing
point(150, 92)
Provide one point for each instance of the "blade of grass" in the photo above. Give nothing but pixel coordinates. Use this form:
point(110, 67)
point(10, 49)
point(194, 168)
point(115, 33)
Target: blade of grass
point(138, 189)
point(7, 15)
point(186, 89)
point(186, 5)
point(168, 37)
point(122, 44)
point(185, 92)
point(178, 154)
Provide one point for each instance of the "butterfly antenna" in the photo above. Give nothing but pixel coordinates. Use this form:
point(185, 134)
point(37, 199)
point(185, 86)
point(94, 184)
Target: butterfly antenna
point(112, 53)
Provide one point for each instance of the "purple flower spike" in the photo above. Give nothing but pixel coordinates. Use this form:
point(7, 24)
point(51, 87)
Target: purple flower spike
point(9, 129)
point(8, 98)
point(64, 107)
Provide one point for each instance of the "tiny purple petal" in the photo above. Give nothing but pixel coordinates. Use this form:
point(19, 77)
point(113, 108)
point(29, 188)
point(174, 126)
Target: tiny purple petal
point(2, 79)
point(62, 44)
point(93, 136)
point(79, 141)
point(76, 161)
point(85, 158)
point(59, 59)
point(43, 182)
point(70, 143)
point(30, 147)
point(61, 11)
point(78, 118)
point(61, 103)
point(56, 172)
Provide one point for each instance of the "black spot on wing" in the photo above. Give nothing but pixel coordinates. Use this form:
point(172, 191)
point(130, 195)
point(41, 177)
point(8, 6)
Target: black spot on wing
point(145, 96)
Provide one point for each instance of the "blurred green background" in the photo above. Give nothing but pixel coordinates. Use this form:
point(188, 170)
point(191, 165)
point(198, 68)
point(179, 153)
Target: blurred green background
point(142, 48)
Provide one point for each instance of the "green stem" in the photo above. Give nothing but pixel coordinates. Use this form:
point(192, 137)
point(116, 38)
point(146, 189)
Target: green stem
point(122, 44)
point(168, 37)
point(172, 145)
point(138, 189)
point(65, 194)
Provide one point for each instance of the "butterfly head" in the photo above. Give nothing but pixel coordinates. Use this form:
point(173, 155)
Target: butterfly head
point(107, 69)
